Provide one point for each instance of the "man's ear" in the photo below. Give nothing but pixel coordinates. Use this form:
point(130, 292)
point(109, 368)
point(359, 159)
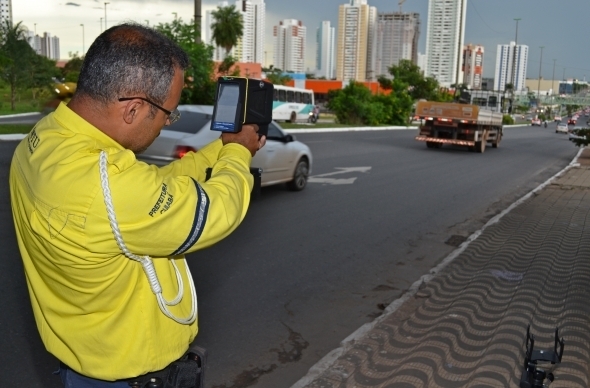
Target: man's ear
point(131, 111)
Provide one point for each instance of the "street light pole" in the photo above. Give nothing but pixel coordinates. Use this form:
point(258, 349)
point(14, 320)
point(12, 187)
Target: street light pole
point(101, 25)
point(105, 15)
point(83, 46)
point(553, 78)
point(198, 21)
point(514, 57)
point(539, 84)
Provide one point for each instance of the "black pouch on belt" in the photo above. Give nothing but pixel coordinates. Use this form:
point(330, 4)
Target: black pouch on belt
point(187, 372)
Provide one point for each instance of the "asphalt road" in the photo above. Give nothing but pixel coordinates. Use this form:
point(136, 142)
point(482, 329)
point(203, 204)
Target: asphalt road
point(306, 269)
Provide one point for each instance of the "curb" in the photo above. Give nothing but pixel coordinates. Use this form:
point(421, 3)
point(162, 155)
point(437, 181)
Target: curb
point(20, 115)
point(13, 136)
point(328, 360)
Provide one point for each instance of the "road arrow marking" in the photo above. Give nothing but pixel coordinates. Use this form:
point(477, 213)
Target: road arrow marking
point(321, 178)
point(331, 181)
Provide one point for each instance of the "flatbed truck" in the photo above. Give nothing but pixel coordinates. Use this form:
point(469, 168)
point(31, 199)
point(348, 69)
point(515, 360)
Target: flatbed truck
point(458, 124)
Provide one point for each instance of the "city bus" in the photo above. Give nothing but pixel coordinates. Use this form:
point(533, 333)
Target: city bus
point(291, 104)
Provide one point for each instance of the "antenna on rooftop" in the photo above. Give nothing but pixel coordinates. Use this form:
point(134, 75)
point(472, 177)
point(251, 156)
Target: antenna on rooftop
point(401, 2)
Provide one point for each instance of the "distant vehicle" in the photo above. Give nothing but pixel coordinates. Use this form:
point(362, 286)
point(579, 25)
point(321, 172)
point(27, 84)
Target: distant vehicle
point(571, 121)
point(536, 122)
point(562, 127)
point(292, 104)
point(557, 119)
point(283, 159)
point(458, 124)
point(573, 133)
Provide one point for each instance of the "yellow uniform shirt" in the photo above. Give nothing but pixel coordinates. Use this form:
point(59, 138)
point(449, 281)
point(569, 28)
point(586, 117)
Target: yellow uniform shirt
point(93, 306)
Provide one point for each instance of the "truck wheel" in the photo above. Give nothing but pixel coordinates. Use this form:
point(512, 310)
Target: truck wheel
point(430, 144)
point(480, 146)
point(496, 142)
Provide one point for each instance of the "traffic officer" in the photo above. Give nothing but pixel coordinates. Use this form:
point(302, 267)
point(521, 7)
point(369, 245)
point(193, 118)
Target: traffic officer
point(102, 235)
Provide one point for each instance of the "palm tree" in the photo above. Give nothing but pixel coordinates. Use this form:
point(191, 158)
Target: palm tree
point(228, 27)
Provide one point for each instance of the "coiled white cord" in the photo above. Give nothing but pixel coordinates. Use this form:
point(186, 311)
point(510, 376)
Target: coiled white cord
point(146, 261)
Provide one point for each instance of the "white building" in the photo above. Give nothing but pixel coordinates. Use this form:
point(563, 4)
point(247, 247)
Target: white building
point(396, 37)
point(50, 46)
point(250, 48)
point(445, 34)
point(289, 46)
point(34, 41)
point(421, 62)
point(355, 54)
point(508, 58)
point(325, 50)
point(6, 11)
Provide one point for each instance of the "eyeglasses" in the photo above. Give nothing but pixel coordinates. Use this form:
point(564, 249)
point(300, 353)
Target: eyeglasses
point(172, 116)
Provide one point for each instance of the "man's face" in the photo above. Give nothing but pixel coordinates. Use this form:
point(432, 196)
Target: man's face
point(150, 127)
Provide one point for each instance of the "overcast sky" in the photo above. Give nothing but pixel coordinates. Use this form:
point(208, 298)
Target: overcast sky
point(561, 26)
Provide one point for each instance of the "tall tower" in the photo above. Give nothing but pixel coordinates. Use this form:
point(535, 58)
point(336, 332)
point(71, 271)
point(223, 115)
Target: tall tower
point(6, 11)
point(396, 39)
point(289, 45)
point(504, 61)
point(445, 34)
point(250, 48)
point(473, 66)
point(325, 50)
point(355, 59)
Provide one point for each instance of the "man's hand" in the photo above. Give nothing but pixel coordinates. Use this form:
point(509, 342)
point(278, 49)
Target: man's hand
point(248, 137)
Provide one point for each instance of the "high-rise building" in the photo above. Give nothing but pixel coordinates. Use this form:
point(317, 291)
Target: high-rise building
point(396, 39)
point(508, 58)
point(34, 41)
point(445, 34)
point(325, 37)
point(250, 48)
point(355, 58)
point(289, 45)
point(50, 46)
point(473, 66)
point(6, 11)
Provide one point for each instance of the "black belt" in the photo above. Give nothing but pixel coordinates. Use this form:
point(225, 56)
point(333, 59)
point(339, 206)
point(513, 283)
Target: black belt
point(186, 372)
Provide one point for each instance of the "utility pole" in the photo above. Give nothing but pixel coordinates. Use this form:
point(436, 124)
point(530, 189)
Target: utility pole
point(198, 21)
point(460, 43)
point(539, 84)
point(105, 15)
point(514, 57)
point(553, 78)
point(101, 25)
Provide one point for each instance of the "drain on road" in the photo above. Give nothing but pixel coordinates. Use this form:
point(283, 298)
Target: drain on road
point(455, 240)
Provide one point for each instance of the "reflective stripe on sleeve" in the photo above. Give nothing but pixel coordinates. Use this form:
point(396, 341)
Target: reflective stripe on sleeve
point(198, 222)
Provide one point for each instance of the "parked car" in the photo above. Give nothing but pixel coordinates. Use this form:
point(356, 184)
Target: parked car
point(536, 122)
point(573, 133)
point(561, 127)
point(283, 159)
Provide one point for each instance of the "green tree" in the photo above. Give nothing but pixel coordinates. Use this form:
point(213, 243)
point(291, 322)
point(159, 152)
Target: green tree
point(276, 76)
point(71, 71)
point(198, 77)
point(418, 85)
point(228, 27)
point(355, 105)
point(41, 74)
point(225, 66)
point(16, 58)
point(398, 104)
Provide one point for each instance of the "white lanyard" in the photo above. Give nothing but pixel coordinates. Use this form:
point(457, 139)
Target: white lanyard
point(146, 261)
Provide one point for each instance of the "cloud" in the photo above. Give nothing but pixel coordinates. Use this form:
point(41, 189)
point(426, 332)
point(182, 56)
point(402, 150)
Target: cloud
point(74, 4)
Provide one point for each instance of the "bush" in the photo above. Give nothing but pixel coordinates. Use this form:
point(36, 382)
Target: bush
point(507, 120)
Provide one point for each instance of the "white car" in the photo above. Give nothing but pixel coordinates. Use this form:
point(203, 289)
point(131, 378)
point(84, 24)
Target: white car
point(562, 127)
point(282, 160)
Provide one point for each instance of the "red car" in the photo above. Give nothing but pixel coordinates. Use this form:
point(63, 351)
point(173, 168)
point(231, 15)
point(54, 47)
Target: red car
point(571, 122)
